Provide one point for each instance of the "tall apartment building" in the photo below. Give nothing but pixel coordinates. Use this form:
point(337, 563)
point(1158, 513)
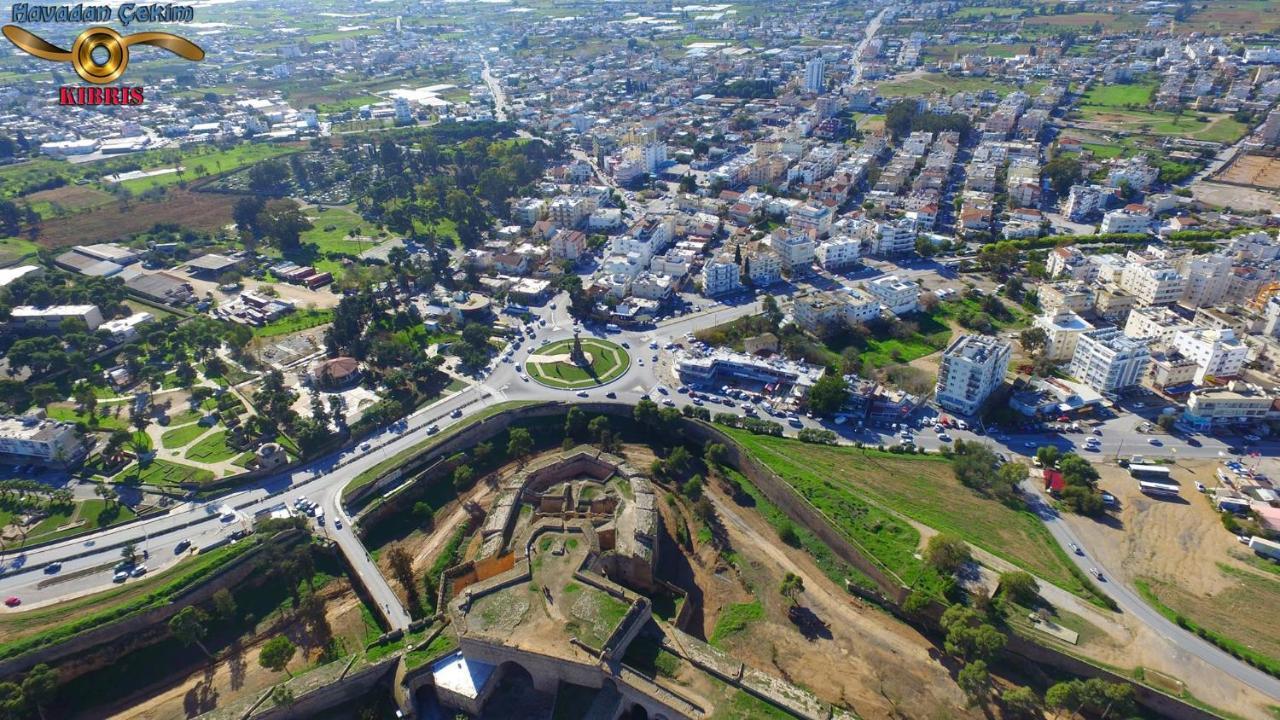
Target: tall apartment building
point(1217, 353)
point(720, 276)
point(1152, 283)
point(1109, 361)
point(972, 367)
point(762, 265)
point(796, 249)
point(1063, 329)
point(1207, 279)
point(838, 252)
point(815, 75)
point(900, 296)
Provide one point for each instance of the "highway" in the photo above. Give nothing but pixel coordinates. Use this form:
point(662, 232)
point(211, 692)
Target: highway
point(87, 561)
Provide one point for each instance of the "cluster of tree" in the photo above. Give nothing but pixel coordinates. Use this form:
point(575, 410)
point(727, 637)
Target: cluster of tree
point(756, 426)
point(817, 437)
point(975, 642)
point(828, 394)
point(57, 289)
point(947, 554)
point(578, 428)
point(28, 698)
point(279, 221)
point(976, 466)
point(742, 88)
point(1080, 493)
point(1061, 172)
point(1093, 698)
point(907, 116)
point(13, 216)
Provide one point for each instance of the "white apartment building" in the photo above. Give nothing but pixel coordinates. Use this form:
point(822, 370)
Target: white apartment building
point(1063, 329)
point(652, 286)
point(762, 266)
point(817, 311)
point(568, 211)
point(1083, 201)
point(27, 318)
point(1076, 297)
point(972, 367)
point(1126, 220)
point(891, 237)
point(900, 296)
point(1217, 353)
point(30, 438)
point(1109, 361)
point(720, 276)
point(1071, 264)
point(1158, 324)
point(1207, 279)
point(811, 219)
point(860, 306)
point(674, 263)
point(815, 75)
point(1152, 283)
point(1235, 403)
point(838, 252)
point(796, 249)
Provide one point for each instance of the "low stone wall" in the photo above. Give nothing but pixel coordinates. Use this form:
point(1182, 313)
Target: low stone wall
point(345, 689)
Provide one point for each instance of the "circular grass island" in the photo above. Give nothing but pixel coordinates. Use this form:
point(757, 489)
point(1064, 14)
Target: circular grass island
point(553, 365)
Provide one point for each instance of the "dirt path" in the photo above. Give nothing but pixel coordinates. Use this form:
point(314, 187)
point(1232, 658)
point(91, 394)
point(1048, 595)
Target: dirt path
point(888, 669)
point(444, 528)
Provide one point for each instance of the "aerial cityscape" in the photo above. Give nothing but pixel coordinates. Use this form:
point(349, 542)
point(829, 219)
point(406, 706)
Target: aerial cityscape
point(623, 360)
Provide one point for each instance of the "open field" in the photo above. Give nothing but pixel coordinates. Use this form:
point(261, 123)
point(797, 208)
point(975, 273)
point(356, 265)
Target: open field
point(1120, 96)
point(67, 199)
point(1253, 170)
point(198, 211)
point(294, 322)
point(928, 84)
point(1235, 16)
point(207, 161)
point(923, 489)
point(14, 250)
point(331, 226)
point(1219, 128)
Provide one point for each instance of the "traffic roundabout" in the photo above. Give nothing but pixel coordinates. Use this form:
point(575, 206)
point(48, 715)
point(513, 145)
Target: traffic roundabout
point(577, 363)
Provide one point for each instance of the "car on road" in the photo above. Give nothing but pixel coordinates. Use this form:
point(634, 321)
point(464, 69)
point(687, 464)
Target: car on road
point(139, 571)
point(1252, 438)
point(944, 437)
point(433, 429)
point(1097, 574)
point(582, 393)
point(1097, 431)
point(611, 395)
point(457, 413)
point(183, 544)
point(1155, 441)
point(52, 568)
point(364, 446)
point(1028, 444)
point(1076, 549)
point(337, 524)
point(12, 601)
point(120, 576)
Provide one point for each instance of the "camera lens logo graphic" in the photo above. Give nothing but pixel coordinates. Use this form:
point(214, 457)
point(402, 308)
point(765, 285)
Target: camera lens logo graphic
point(89, 42)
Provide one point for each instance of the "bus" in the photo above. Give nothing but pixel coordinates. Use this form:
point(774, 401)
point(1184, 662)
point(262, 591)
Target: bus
point(1158, 488)
point(517, 310)
point(1154, 473)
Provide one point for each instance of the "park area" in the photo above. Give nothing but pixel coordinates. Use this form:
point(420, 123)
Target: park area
point(552, 365)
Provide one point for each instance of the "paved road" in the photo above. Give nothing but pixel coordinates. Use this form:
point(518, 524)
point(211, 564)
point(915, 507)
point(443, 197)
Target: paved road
point(1184, 644)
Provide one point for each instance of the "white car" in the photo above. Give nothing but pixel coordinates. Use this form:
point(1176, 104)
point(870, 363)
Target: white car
point(139, 571)
point(120, 576)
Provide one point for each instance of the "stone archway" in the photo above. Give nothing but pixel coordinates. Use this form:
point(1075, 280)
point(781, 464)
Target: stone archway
point(635, 712)
point(516, 695)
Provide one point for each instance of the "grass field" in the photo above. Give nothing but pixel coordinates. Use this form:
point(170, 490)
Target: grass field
point(294, 322)
point(1216, 128)
point(734, 619)
point(946, 84)
point(162, 472)
point(67, 199)
point(1120, 96)
point(67, 413)
point(204, 162)
point(608, 361)
point(14, 250)
point(330, 228)
point(839, 479)
point(181, 436)
point(212, 449)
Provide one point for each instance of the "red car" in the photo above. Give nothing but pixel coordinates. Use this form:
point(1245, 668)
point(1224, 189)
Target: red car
point(12, 602)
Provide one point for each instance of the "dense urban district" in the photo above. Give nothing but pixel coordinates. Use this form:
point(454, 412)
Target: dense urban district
point(559, 359)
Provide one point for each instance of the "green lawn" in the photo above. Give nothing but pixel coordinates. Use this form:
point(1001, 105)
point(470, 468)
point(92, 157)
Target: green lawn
point(331, 226)
point(734, 619)
point(608, 361)
point(294, 322)
point(1120, 96)
point(181, 436)
point(67, 413)
point(1215, 128)
point(14, 250)
point(947, 84)
point(89, 515)
point(212, 449)
point(202, 162)
point(855, 488)
point(162, 472)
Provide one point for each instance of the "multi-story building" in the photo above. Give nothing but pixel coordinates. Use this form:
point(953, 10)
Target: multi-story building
point(720, 276)
point(796, 249)
point(1083, 201)
point(1071, 264)
point(1113, 304)
point(761, 265)
point(568, 244)
point(972, 367)
point(811, 219)
point(569, 211)
point(1128, 219)
point(860, 306)
point(1170, 372)
point(1152, 283)
point(1235, 403)
point(31, 438)
point(1207, 279)
point(1076, 297)
point(1109, 361)
point(815, 77)
point(838, 252)
point(29, 319)
point(900, 296)
point(1217, 353)
point(652, 286)
point(1158, 324)
point(1063, 329)
point(816, 312)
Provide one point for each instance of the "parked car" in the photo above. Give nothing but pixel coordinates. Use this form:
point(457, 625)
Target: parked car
point(139, 571)
point(120, 576)
point(12, 601)
point(184, 543)
point(52, 567)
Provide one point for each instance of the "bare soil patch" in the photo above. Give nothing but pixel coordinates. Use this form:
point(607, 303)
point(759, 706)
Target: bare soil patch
point(197, 211)
point(1255, 170)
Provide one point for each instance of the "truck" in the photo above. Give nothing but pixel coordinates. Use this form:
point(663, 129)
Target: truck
point(1264, 547)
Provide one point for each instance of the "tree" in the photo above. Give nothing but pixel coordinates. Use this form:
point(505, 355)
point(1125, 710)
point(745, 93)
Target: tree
point(188, 626)
point(975, 680)
point(946, 553)
point(828, 394)
point(40, 686)
point(792, 585)
point(1034, 339)
point(1077, 471)
point(1048, 455)
point(401, 563)
point(463, 475)
point(224, 605)
point(276, 654)
point(1020, 702)
point(575, 423)
point(13, 703)
point(715, 455)
point(1062, 172)
point(281, 695)
point(519, 444)
point(129, 553)
point(1020, 586)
